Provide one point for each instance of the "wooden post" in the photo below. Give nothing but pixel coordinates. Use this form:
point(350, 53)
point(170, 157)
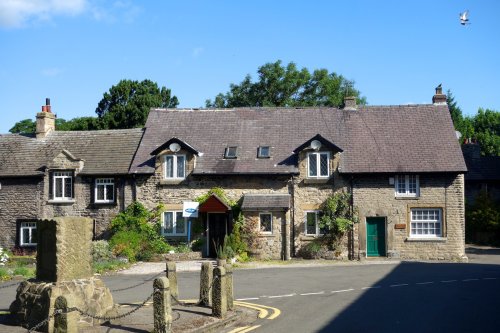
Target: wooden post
point(162, 306)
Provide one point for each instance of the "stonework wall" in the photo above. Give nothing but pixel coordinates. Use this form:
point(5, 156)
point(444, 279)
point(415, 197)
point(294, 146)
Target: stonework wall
point(19, 200)
point(375, 197)
point(270, 245)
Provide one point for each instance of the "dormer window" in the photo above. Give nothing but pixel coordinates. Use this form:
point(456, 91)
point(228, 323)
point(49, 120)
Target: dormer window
point(231, 152)
point(318, 165)
point(175, 166)
point(264, 152)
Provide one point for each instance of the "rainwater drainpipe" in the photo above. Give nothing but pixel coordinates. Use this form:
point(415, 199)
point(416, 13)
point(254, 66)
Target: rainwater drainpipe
point(292, 222)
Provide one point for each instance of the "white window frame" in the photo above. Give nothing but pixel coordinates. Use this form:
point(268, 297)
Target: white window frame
point(317, 156)
point(105, 182)
point(317, 231)
point(174, 166)
point(30, 226)
point(398, 179)
point(425, 223)
point(260, 225)
point(64, 176)
point(174, 224)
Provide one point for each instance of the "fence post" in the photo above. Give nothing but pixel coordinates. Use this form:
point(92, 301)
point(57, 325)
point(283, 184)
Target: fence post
point(219, 297)
point(206, 278)
point(162, 306)
point(229, 286)
point(65, 322)
point(171, 274)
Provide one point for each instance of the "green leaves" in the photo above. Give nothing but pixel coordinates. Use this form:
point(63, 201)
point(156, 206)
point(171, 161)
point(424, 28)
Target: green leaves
point(287, 86)
point(338, 217)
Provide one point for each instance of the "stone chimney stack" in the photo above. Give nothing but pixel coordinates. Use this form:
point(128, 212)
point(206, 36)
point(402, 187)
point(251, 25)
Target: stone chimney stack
point(45, 121)
point(350, 103)
point(439, 98)
point(471, 149)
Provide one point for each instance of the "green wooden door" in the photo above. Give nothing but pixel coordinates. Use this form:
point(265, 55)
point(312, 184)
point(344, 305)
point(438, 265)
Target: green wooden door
point(375, 236)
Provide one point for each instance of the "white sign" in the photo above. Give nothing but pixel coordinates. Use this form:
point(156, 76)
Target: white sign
point(190, 209)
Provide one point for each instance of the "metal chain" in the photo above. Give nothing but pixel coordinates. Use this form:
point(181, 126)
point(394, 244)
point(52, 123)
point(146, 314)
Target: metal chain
point(106, 318)
point(139, 284)
point(40, 324)
point(10, 285)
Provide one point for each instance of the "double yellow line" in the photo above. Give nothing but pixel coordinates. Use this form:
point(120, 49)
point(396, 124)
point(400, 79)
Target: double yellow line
point(264, 311)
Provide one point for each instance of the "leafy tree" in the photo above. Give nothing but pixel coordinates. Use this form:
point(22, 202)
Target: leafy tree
point(287, 86)
point(127, 104)
point(24, 126)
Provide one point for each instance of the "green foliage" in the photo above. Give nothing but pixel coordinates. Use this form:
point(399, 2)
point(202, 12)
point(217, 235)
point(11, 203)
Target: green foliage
point(127, 104)
point(219, 192)
point(24, 126)
point(108, 265)
point(136, 233)
point(313, 250)
point(224, 251)
point(101, 250)
point(338, 217)
point(4, 274)
point(287, 86)
point(483, 215)
point(182, 248)
point(198, 244)
point(235, 240)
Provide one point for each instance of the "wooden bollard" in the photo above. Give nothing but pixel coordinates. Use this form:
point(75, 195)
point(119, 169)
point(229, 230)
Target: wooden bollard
point(65, 322)
point(229, 287)
point(162, 306)
point(219, 297)
point(206, 278)
point(171, 274)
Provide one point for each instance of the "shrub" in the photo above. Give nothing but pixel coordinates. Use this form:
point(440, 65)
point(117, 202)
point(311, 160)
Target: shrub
point(3, 257)
point(235, 240)
point(198, 244)
point(337, 217)
point(108, 265)
point(182, 248)
point(127, 243)
point(101, 250)
point(4, 274)
point(313, 250)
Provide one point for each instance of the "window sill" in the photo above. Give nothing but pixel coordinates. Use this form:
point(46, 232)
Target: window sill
point(172, 181)
point(426, 240)
point(110, 203)
point(61, 202)
point(401, 197)
point(174, 235)
point(266, 234)
point(316, 180)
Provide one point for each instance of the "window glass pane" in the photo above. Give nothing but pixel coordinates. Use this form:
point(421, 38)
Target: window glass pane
point(412, 184)
point(265, 223)
point(401, 184)
point(169, 166)
point(59, 188)
point(25, 233)
point(180, 166)
point(67, 187)
point(180, 224)
point(323, 165)
point(429, 222)
point(264, 151)
point(231, 151)
point(100, 192)
point(311, 223)
point(34, 235)
point(110, 192)
point(313, 165)
point(168, 220)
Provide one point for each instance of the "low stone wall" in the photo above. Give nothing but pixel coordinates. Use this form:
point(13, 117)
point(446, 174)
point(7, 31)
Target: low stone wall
point(187, 256)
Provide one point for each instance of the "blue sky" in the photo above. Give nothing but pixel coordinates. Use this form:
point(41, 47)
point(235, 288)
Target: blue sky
point(397, 52)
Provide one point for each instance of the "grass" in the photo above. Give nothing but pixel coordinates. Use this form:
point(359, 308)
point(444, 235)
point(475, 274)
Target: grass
point(108, 265)
point(15, 267)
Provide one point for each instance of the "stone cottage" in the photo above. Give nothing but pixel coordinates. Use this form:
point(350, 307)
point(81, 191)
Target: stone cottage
point(54, 173)
point(402, 166)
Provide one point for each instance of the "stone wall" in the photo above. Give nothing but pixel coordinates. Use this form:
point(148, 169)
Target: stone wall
point(19, 200)
point(269, 246)
point(374, 196)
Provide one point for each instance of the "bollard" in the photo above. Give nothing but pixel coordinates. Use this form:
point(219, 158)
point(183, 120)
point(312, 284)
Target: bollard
point(171, 274)
point(229, 287)
point(162, 306)
point(206, 278)
point(65, 322)
point(219, 297)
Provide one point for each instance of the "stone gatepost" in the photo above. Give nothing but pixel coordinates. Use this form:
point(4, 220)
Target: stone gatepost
point(229, 287)
point(64, 267)
point(162, 306)
point(65, 322)
point(206, 278)
point(219, 297)
point(171, 274)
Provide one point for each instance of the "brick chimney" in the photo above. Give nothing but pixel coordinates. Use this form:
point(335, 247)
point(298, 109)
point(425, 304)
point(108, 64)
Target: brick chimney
point(439, 98)
point(45, 121)
point(350, 103)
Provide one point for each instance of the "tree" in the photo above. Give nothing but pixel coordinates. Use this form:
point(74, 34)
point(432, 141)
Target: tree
point(127, 104)
point(75, 124)
point(24, 126)
point(287, 86)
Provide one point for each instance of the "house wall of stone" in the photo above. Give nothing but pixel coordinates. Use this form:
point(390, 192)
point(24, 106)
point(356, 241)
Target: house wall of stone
point(374, 196)
point(19, 200)
point(269, 246)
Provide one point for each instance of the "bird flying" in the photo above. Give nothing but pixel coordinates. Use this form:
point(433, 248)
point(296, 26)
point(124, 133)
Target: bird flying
point(464, 18)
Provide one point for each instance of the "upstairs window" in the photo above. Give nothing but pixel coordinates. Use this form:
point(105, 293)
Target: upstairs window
point(264, 152)
point(175, 166)
point(407, 185)
point(27, 234)
point(266, 223)
point(104, 190)
point(63, 185)
point(173, 224)
point(318, 165)
point(231, 152)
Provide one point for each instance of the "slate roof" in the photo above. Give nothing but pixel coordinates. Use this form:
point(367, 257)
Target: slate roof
point(263, 201)
point(374, 139)
point(107, 152)
point(483, 168)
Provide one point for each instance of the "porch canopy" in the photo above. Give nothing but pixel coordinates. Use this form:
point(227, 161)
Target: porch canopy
point(252, 202)
point(214, 204)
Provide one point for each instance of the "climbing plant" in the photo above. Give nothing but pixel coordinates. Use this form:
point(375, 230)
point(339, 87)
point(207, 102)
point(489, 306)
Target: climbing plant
point(337, 217)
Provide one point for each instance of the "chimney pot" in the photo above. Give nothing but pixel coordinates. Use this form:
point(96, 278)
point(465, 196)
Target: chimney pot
point(439, 98)
point(47, 101)
point(45, 121)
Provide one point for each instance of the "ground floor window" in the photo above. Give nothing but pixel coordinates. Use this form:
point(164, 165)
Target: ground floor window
point(312, 224)
point(28, 234)
point(426, 222)
point(266, 223)
point(173, 224)
point(104, 190)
